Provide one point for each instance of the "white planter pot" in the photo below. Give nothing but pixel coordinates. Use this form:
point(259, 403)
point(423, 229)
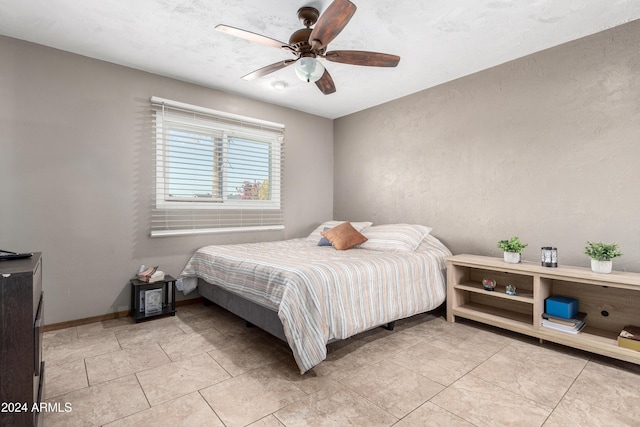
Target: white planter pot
point(601, 266)
point(512, 257)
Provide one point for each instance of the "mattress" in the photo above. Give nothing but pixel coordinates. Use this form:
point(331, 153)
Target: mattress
point(322, 294)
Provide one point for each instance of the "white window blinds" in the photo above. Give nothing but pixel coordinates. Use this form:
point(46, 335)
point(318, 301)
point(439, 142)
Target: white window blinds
point(214, 171)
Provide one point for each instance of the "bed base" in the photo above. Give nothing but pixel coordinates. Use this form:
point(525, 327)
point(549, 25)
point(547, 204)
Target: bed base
point(254, 314)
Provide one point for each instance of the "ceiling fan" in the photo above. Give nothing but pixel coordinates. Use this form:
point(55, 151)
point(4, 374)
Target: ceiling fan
point(308, 44)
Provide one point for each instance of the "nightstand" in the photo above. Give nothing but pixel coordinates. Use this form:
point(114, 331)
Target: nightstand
point(152, 299)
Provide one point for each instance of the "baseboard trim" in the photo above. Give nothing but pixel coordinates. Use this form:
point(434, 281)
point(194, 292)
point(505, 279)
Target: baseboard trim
point(109, 316)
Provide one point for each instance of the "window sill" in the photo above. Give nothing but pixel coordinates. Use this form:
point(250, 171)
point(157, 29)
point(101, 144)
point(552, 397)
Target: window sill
point(191, 232)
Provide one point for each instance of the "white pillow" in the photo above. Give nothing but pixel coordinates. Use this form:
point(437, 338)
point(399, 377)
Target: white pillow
point(316, 235)
point(395, 237)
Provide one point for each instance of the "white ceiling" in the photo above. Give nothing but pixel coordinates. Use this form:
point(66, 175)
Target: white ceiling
point(437, 40)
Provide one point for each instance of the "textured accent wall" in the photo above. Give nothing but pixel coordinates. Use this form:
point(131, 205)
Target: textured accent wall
point(546, 147)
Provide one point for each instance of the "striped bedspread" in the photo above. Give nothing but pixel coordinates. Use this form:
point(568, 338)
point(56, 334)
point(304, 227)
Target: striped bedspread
point(322, 294)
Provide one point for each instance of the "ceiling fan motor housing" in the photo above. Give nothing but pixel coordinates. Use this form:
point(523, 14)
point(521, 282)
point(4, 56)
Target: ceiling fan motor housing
point(299, 40)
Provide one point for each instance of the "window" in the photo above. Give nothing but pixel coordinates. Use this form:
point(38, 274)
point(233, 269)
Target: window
point(214, 171)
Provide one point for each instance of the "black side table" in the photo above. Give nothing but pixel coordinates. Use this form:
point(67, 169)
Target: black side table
point(152, 299)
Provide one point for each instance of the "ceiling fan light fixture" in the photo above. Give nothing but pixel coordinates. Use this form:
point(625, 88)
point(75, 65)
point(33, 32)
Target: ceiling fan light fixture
point(309, 69)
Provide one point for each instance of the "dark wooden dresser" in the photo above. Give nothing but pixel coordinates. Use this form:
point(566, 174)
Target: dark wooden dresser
point(21, 323)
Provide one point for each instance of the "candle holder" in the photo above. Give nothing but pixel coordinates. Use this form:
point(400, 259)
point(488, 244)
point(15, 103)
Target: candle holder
point(489, 284)
point(549, 256)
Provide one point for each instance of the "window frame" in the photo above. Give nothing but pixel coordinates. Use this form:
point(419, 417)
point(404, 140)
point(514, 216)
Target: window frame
point(222, 132)
point(227, 134)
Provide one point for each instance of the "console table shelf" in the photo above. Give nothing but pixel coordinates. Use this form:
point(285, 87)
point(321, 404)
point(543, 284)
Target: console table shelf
point(611, 301)
point(498, 292)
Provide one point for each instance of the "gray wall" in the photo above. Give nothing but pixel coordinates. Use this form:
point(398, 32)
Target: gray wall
point(75, 173)
point(545, 147)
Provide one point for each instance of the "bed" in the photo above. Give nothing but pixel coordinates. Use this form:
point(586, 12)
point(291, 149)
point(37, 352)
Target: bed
point(308, 293)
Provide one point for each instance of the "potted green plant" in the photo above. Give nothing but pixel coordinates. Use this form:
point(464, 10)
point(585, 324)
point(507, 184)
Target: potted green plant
point(601, 255)
point(512, 249)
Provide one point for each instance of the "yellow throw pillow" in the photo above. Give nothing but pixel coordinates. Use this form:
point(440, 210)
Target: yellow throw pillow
point(344, 236)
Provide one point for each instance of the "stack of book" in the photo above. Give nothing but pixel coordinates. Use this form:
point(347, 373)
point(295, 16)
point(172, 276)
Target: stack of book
point(571, 325)
point(630, 337)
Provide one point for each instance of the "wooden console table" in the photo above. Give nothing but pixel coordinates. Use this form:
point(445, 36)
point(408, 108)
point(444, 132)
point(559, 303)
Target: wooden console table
point(611, 301)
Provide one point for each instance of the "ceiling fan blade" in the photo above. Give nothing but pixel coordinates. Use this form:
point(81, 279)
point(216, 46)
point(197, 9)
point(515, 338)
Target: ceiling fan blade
point(325, 84)
point(252, 37)
point(332, 21)
point(359, 57)
point(268, 69)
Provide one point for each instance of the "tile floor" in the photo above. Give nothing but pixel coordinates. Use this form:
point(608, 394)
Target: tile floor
point(203, 367)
